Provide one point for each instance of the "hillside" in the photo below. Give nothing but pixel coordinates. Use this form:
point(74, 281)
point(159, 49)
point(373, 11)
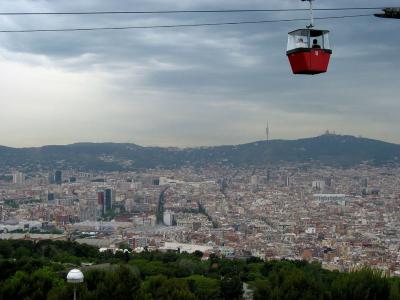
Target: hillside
point(329, 149)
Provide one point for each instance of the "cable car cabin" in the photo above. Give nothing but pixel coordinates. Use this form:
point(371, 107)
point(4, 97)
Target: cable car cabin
point(308, 51)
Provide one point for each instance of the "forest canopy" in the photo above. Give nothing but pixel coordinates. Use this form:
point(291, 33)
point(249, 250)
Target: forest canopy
point(37, 270)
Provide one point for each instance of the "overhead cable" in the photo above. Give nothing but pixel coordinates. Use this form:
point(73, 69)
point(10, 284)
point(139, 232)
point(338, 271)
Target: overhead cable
point(185, 11)
point(176, 25)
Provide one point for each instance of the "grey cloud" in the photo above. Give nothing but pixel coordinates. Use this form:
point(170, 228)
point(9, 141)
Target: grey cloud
point(192, 86)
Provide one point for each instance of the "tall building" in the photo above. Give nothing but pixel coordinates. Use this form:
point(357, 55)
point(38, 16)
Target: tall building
point(287, 180)
point(254, 181)
point(100, 202)
point(51, 178)
point(168, 218)
point(108, 199)
point(18, 178)
point(58, 177)
point(329, 181)
point(364, 182)
point(223, 185)
point(318, 185)
point(268, 175)
point(50, 196)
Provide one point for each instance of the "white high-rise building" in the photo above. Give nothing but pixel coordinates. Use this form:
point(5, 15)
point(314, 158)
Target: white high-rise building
point(318, 185)
point(168, 218)
point(18, 178)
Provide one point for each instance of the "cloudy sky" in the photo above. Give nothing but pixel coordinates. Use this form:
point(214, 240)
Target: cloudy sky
point(191, 86)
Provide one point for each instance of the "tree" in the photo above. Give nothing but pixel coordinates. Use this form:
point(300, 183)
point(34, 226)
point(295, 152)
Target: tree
point(262, 289)
point(394, 290)
point(198, 254)
point(161, 288)
point(122, 283)
point(204, 288)
point(362, 284)
point(174, 289)
point(231, 287)
point(35, 286)
point(6, 248)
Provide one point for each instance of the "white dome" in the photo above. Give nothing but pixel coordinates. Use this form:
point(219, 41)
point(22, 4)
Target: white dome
point(75, 276)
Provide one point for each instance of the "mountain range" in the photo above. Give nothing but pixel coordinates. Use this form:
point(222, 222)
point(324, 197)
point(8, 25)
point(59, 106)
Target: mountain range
point(327, 149)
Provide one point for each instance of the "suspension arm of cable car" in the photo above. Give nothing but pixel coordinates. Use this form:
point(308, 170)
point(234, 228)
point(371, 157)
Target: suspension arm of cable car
point(390, 13)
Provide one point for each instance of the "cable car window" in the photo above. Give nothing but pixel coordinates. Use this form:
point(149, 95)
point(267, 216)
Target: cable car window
point(327, 45)
point(317, 42)
point(298, 39)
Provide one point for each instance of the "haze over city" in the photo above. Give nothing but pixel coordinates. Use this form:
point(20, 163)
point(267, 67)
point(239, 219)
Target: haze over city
point(190, 86)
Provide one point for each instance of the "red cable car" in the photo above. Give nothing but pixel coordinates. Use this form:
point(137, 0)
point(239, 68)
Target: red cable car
point(308, 49)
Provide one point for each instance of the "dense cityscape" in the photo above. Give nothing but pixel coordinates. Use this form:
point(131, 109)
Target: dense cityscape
point(343, 218)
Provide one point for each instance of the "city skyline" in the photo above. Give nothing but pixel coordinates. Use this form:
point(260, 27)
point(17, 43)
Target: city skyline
point(190, 87)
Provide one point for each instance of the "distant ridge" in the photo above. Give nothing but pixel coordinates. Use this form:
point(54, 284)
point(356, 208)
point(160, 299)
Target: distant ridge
point(327, 149)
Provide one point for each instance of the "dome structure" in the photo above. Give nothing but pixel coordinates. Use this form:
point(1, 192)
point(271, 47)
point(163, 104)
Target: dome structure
point(75, 276)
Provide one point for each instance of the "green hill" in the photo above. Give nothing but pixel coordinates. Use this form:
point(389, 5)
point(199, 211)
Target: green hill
point(329, 149)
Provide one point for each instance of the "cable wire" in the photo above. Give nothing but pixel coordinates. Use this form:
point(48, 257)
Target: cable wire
point(177, 25)
point(185, 11)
